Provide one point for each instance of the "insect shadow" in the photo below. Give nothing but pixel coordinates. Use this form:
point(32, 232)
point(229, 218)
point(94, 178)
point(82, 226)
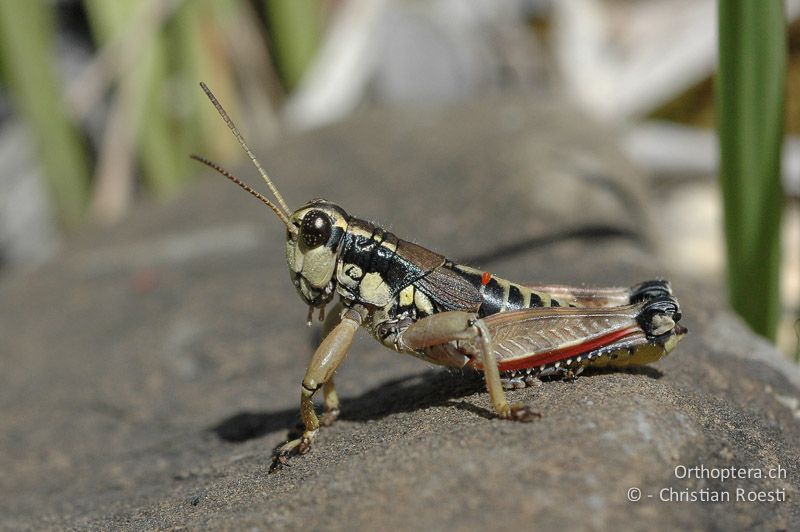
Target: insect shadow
point(407, 394)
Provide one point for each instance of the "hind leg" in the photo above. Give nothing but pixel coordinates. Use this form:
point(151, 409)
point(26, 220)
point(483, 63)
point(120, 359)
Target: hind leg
point(456, 327)
point(548, 341)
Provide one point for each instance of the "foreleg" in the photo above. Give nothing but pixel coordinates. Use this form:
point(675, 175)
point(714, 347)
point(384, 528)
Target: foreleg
point(329, 395)
point(327, 358)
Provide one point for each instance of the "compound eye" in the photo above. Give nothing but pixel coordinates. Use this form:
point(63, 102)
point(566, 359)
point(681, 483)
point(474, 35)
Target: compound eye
point(315, 229)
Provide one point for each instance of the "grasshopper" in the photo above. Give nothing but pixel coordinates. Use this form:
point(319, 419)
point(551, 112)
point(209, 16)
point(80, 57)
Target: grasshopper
point(416, 301)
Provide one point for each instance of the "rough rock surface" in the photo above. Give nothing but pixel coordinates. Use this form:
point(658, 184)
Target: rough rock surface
point(150, 369)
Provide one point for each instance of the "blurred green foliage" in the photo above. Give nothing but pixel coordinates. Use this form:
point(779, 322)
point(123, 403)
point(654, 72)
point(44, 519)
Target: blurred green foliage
point(27, 31)
point(152, 119)
point(296, 29)
point(750, 117)
point(149, 57)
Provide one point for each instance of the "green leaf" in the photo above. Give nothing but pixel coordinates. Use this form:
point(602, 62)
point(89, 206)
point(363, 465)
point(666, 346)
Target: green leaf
point(750, 113)
point(296, 27)
point(26, 41)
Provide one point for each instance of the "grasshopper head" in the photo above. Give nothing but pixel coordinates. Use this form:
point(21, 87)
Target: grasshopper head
point(313, 250)
point(313, 231)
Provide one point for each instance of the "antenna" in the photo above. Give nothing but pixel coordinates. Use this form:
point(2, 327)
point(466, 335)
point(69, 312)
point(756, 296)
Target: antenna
point(292, 229)
point(241, 140)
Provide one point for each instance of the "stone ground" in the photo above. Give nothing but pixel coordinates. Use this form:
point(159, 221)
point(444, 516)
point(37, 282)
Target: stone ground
point(149, 370)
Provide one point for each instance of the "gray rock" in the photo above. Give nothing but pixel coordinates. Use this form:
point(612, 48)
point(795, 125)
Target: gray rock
point(150, 369)
point(28, 232)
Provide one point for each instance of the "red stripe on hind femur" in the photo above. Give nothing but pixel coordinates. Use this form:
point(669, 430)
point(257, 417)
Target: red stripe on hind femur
point(557, 355)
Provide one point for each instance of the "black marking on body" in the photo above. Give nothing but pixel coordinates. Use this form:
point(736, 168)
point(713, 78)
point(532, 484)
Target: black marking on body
point(493, 300)
point(368, 253)
point(493, 293)
point(336, 236)
point(515, 299)
point(378, 253)
point(378, 236)
point(536, 300)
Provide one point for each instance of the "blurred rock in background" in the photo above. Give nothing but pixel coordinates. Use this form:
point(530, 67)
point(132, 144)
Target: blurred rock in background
point(643, 67)
point(28, 230)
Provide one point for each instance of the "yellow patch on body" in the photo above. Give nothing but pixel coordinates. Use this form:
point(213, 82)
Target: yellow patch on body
point(374, 290)
point(642, 355)
point(407, 296)
point(423, 303)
